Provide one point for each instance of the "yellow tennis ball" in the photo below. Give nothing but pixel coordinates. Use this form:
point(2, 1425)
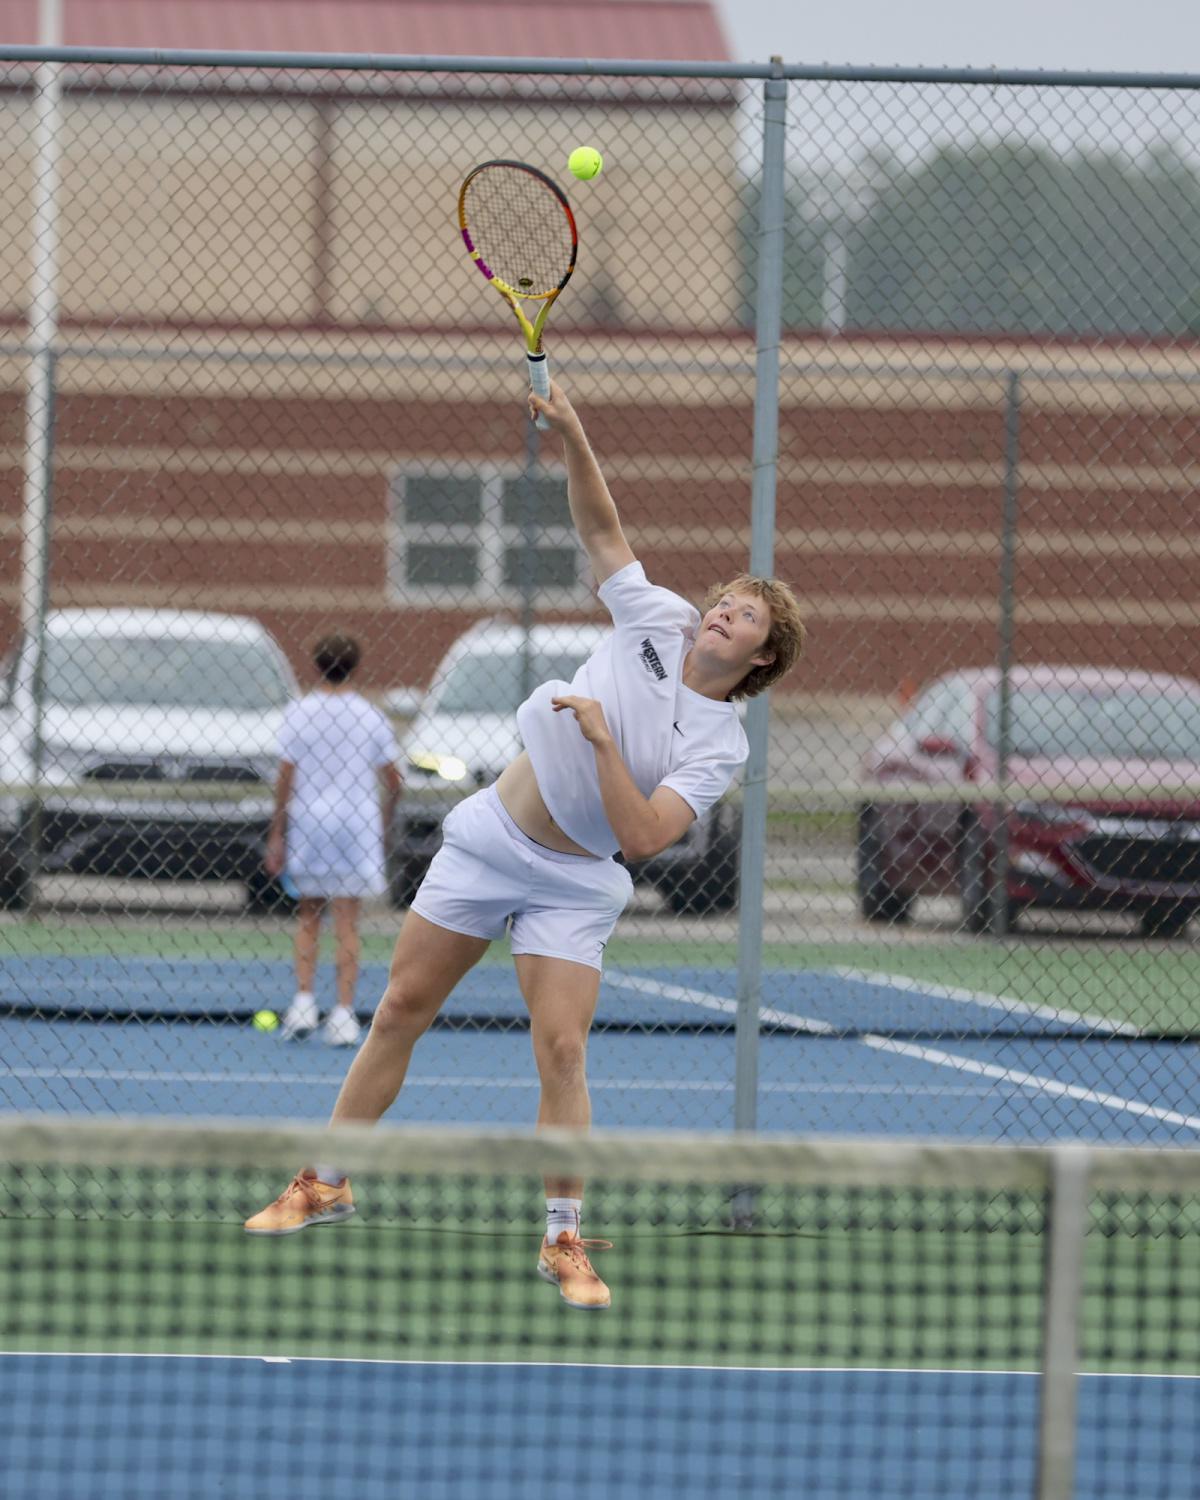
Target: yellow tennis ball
point(265, 1020)
point(585, 162)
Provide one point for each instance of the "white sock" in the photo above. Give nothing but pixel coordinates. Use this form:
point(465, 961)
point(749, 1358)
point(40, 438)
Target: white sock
point(330, 1176)
point(304, 997)
point(562, 1215)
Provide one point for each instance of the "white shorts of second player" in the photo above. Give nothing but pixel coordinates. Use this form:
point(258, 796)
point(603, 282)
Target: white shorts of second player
point(336, 855)
point(488, 875)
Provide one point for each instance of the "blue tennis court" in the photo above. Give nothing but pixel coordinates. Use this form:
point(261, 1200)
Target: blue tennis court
point(839, 1053)
point(621, 1431)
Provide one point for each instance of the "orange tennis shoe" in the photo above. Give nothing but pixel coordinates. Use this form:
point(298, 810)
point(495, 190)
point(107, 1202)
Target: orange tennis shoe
point(304, 1202)
point(565, 1263)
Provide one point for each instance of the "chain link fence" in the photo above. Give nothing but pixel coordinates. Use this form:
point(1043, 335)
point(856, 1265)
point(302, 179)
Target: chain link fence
point(254, 395)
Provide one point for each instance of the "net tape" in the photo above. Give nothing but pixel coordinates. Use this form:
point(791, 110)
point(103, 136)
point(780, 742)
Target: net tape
point(679, 1157)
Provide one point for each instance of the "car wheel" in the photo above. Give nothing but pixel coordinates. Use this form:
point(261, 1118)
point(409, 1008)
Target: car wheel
point(975, 881)
point(16, 888)
point(1166, 919)
point(404, 878)
point(265, 897)
point(16, 883)
point(711, 885)
point(878, 901)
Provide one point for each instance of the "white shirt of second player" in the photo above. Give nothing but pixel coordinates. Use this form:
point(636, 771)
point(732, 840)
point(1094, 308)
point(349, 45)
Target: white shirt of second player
point(338, 743)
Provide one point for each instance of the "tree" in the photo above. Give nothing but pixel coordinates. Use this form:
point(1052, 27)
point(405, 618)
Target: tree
point(1008, 238)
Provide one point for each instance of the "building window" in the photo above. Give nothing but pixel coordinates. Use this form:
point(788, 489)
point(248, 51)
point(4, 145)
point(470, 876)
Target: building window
point(464, 537)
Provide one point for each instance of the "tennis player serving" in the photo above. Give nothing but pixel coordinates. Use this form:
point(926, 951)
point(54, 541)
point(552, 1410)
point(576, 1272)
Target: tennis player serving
point(622, 759)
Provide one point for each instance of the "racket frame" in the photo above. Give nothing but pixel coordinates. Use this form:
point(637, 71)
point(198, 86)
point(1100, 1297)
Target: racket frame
point(531, 329)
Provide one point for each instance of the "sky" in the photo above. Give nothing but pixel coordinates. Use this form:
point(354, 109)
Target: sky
point(1097, 35)
point(836, 127)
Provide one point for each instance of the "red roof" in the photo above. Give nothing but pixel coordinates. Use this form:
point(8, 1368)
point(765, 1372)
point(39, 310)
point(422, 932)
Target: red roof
point(656, 30)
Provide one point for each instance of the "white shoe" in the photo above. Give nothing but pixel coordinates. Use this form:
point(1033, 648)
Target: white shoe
point(341, 1029)
point(302, 1017)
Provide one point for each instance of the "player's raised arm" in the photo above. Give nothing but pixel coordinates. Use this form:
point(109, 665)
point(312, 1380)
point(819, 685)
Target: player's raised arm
point(592, 508)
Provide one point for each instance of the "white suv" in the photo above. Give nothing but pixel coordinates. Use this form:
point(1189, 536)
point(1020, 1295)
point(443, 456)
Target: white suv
point(158, 744)
point(465, 733)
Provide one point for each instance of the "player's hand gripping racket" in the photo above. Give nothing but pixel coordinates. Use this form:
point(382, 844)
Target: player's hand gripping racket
point(519, 230)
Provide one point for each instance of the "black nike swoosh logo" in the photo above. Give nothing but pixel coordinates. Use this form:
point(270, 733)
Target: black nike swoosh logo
point(677, 728)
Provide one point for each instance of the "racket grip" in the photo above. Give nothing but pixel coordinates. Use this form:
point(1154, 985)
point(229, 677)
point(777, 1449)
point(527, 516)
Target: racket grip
point(539, 379)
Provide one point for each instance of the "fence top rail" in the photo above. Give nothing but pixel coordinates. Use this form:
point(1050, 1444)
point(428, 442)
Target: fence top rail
point(594, 67)
point(978, 373)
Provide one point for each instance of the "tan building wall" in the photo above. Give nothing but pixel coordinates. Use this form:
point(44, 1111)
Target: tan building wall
point(248, 210)
point(283, 320)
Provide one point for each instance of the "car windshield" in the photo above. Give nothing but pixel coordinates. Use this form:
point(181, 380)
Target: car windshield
point(492, 682)
point(1102, 723)
point(163, 672)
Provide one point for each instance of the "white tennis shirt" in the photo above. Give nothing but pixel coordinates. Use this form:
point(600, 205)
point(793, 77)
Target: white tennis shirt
point(338, 742)
point(667, 734)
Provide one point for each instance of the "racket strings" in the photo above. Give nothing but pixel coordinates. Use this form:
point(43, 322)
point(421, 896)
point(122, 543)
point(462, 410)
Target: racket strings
point(521, 230)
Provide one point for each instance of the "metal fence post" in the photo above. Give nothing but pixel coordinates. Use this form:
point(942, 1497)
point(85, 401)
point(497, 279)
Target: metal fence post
point(37, 628)
point(1066, 1238)
point(525, 566)
point(1006, 632)
point(43, 322)
point(36, 523)
point(768, 323)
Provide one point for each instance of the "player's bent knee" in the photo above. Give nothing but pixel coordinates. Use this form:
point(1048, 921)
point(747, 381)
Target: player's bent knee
point(561, 1053)
point(403, 1012)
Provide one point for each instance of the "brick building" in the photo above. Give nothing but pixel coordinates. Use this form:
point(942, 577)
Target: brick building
point(282, 391)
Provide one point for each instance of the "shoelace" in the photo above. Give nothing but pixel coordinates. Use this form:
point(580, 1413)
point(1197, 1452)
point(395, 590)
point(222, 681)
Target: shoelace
point(307, 1188)
point(575, 1251)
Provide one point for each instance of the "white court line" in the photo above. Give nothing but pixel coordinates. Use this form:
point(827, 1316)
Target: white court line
point(543, 1364)
point(783, 1019)
point(807, 1025)
point(1004, 1003)
point(1022, 1080)
point(934, 1055)
point(461, 1081)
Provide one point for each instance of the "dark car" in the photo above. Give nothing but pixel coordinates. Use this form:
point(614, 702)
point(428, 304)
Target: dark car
point(1103, 798)
point(158, 744)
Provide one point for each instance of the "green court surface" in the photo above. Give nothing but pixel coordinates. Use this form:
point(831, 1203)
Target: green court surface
point(862, 1279)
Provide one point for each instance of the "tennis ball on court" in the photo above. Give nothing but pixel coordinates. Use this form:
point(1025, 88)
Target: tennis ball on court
point(585, 162)
point(265, 1020)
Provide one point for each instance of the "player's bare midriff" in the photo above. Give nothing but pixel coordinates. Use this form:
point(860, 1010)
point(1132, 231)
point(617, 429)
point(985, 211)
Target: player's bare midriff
point(522, 797)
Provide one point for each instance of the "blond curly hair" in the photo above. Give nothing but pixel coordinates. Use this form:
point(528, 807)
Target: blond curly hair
point(785, 639)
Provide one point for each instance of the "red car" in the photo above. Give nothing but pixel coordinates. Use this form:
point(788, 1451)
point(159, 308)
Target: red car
point(1104, 767)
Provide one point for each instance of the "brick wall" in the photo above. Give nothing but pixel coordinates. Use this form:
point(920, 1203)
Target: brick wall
point(219, 484)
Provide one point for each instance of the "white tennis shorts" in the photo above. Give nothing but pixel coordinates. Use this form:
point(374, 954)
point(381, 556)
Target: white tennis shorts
point(488, 876)
point(336, 855)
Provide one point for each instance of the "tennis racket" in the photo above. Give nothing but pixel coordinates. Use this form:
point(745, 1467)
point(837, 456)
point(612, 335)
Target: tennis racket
point(519, 230)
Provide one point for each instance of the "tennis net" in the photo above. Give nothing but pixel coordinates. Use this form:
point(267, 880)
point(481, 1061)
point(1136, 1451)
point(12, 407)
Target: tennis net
point(816, 1318)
